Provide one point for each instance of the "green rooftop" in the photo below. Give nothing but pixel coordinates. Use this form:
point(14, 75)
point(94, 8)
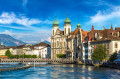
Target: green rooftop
point(67, 20)
point(55, 23)
point(78, 25)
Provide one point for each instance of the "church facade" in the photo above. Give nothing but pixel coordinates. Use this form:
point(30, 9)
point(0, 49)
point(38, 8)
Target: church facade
point(66, 42)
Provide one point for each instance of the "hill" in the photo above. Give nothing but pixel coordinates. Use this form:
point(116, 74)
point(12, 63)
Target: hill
point(9, 40)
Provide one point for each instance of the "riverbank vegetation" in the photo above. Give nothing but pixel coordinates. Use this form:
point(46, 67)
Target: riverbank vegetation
point(113, 57)
point(61, 55)
point(9, 55)
point(99, 54)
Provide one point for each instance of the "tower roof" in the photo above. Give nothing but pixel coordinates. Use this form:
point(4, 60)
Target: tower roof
point(55, 22)
point(78, 25)
point(111, 27)
point(67, 20)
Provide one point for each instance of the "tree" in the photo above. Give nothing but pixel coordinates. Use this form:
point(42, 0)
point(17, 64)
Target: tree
point(8, 53)
point(99, 53)
point(61, 55)
point(113, 57)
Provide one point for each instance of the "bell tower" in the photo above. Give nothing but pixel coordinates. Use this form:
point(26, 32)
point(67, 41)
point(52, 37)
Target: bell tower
point(55, 26)
point(67, 26)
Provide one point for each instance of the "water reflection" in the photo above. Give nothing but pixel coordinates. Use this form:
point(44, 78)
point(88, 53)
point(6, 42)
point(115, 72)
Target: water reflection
point(68, 71)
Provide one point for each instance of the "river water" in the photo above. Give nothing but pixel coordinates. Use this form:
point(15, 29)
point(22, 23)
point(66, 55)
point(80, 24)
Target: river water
point(65, 71)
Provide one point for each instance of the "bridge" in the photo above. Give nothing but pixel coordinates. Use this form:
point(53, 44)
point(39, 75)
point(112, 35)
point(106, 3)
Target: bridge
point(31, 60)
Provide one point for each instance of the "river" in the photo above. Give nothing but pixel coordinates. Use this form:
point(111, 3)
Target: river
point(64, 71)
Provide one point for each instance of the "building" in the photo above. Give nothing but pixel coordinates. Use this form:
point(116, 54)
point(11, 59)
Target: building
point(3, 49)
point(42, 50)
point(108, 37)
point(67, 42)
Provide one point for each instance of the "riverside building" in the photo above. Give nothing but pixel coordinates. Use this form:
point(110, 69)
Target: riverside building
point(67, 42)
point(110, 38)
point(80, 44)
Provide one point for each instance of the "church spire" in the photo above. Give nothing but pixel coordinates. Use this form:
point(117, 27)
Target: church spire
point(78, 25)
point(55, 23)
point(67, 20)
point(1, 43)
point(111, 27)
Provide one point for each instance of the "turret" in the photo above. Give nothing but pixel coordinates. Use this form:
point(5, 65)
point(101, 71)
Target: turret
point(55, 26)
point(1, 43)
point(78, 25)
point(67, 26)
point(111, 27)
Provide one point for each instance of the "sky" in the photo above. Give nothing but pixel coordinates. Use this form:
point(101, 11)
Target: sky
point(31, 20)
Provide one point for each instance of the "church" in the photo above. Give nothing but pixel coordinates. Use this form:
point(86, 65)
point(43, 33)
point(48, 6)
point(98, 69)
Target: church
point(67, 42)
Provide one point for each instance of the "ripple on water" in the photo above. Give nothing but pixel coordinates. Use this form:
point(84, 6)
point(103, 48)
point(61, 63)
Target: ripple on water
point(62, 72)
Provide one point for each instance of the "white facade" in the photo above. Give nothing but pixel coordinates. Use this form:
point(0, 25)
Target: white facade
point(44, 52)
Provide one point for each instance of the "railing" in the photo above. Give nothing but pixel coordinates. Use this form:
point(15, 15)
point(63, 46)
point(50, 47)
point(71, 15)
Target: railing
point(37, 60)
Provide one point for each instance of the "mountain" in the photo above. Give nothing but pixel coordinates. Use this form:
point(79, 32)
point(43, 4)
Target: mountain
point(10, 41)
point(47, 42)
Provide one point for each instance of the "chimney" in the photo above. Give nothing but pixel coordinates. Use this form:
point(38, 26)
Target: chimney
point(92, 27)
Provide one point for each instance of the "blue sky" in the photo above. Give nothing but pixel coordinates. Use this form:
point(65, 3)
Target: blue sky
point(31, 20)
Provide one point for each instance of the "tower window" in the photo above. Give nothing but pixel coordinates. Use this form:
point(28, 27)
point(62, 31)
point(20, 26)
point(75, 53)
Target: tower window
point(65, 30)
point(53, 32)
point(116, 45)
point(68, 30)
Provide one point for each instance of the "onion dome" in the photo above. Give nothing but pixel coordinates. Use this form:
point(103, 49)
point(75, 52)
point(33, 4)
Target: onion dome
point(55, 23)
point(78, 25)
point(67, 20)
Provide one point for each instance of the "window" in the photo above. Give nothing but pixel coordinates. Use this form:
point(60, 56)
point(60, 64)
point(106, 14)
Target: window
point(68, 30)
point(65, 30)
point(116, 45)
point(64, 44)
point(108, 46)
point(53, 32)
point(57, 43)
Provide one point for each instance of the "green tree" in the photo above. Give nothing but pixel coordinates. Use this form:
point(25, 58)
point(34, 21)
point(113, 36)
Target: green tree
point(99, 53)
point(8, 53)
point(113, 57)
point(34, 56)
point(61, 55)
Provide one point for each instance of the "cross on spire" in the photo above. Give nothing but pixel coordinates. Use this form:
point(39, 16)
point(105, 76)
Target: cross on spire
point(111, 26)
point(55, 16)
point(67, 13)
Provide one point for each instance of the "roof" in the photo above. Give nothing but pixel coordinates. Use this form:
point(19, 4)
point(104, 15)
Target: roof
point(55, 22)
point(3, 57)
point(106, 34)
point(77, 31)
point(62, 32)
point(67, 21)
point(20, 46)
point(12, 47)
point(42, 44)
point(78, 25)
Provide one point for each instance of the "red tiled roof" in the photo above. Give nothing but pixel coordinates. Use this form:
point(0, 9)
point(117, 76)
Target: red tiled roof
point(3, 57)
point(42, 44)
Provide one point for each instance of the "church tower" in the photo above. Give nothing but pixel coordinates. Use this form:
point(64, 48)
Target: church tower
point(79, 27)
point(67, 26)
point(55, 26)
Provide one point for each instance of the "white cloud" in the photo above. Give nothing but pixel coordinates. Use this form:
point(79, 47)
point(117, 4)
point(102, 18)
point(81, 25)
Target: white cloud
point(21, 19)
point(104, 18)
point(9, 18)
point(7, 32)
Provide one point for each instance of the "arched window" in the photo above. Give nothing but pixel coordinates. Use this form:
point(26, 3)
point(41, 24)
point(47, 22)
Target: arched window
point(68, 30)
point(53, 32)
point(116, 45)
